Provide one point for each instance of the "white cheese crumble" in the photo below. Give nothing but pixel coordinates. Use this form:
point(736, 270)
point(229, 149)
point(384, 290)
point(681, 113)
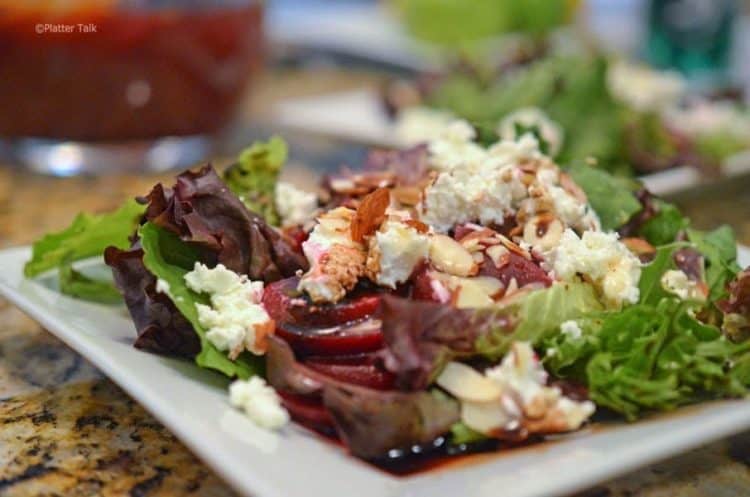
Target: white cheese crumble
point(644, 89)
point(571, 329)
point(162, 286)
point(678, 283)
point(397, 248)
point(235, 320)
point(259, 401)
point(486, 190)
point(601, 257)
point(295, 206)
point(416, 125)
point(521, 376)
point(455, 147)
point(512, 176)
point(529, 117)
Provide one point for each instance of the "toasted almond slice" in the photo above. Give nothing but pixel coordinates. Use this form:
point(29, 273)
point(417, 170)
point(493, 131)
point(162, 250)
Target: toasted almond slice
point(472, 295)
point(451, 257)
point(408, 195)
point(543, 231)
point(640, 247)
point(370, 214)
point(496, 252)
point(484, 417)
point(466, 383)
point(491, 286)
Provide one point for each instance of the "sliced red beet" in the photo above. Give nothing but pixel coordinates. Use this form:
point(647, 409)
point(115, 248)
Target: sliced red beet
point(518, 267)
point(285, 304)
point(307, 411)
point(361, 370)
point(353, 338)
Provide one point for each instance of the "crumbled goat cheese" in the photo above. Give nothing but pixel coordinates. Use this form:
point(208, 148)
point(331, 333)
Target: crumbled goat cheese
point(678, 283)
point(162, 286)
point(235, 320)
point(295, 206)
point(644, 89)
point(513, 176)
point(336, 261)
point(532, 117)
point(395, 251)
point(571, 329)
point(613, 269)
point(527, 402)
point(421, 124)
point(259, 401)
point(455, 147)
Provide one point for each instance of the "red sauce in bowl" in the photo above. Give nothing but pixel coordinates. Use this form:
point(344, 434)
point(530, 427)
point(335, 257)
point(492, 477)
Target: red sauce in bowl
point(140, 74)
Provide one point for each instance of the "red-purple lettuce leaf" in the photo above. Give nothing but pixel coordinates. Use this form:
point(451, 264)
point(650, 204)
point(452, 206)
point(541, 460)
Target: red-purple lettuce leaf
point(202, 210)
point(420, 337)
point(736, 307)
point(371, 422)
point(160, 326)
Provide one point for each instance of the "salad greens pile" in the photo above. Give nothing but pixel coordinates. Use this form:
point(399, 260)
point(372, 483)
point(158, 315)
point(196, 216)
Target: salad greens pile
point(575, 91)
point(666, 350)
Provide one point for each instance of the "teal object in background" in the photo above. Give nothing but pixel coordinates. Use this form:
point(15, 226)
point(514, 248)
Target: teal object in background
point(694, 37)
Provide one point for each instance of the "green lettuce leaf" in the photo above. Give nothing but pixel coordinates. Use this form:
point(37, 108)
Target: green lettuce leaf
point(538, 314)
point(719, 247)
point(612, 198)
point(651, 290)
point(170, 259)
point(462, 434)
point(664, 227)
point(81, 286)
point(253, 177)
point(87, 236)
point(650, 357)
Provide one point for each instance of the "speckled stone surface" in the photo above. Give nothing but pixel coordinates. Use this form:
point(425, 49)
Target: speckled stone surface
point(67, 431)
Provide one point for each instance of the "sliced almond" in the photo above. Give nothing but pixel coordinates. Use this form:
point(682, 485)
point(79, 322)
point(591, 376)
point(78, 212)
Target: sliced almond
point(491, 286)
point(496, 253)
point(407, 195)
point(484, 417)
point(451, 257)
point(543, 231)
point(472, 295)
point(370, 214)
point(640, 247)
point(466, 383)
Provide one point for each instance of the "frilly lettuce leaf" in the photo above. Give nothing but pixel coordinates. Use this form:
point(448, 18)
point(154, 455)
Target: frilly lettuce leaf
point(665, 226)
point(719, 247)
point(253, 177)
point(420, 337)
point(537, 315)
point(650, 357)
point(170, 259)
point(87, 236)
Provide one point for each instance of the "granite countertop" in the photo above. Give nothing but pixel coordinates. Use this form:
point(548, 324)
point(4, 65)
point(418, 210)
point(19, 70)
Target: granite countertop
point(66, 430)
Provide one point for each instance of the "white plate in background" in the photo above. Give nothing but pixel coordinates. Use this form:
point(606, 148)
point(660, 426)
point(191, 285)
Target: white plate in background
point(193, 404)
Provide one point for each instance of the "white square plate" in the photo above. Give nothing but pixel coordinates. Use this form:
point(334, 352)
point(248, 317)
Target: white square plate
point(358, 115)
point(193, 404)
